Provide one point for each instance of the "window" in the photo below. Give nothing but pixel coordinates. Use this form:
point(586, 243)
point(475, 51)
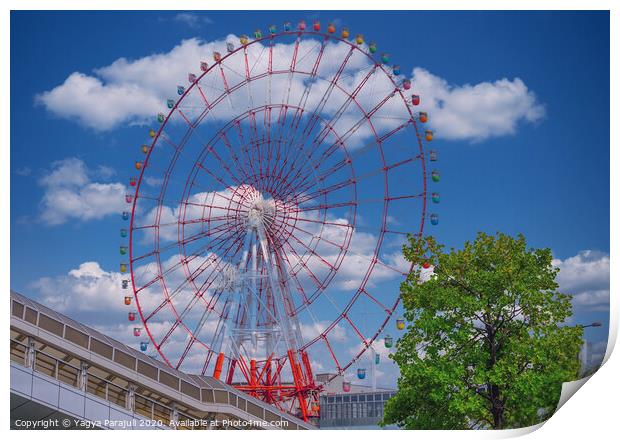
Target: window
point(161, 413)
point(45, 364)
point(69, 374)
point(143, 406)
point(18, 352)
point(96, 386)
point(364, 410)
point(116, 395)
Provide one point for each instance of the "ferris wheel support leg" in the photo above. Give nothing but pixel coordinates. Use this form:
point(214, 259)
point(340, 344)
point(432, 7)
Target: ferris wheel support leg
point(285, 325)
point(218, 366)
point(298, 380)
point(231, 371)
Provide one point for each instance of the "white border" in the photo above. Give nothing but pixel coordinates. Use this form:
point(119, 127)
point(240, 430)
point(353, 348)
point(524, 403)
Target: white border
point(591, 413)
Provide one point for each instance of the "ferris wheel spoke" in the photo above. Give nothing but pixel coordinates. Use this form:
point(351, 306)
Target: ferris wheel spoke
point(214, 88)
point(324, 191)
point(356, 330)
point(315, 115)
point(303, 264)
point(185, 352)
point(327, 206)
point(273, 171)
point(215, 176)
point(296, 182)
point(322, 223)
point(189, 279)
point(247, 76)
point(169, 297)
point(250, 173)
point(168, 333)
point(313, 252)
point(269, 70)
point(341, 111)
point(368, 174)
point(309, 52)
point(227, 90)
point(186, 119)
point(203, 96)
point(328, 126)
point(331, 352)
point(260, 56)
point(351, 252)
point(220, 230)
point(164, 136)
point(210, 148)
point(234, 156)
point(211, 247)
point(267, 130)
point(340, 246)
point(231, 70)
point(218, 335)
point(376, 301)
point(284, 176)
point(299, 288)
point(289, 84)
point(254, 143)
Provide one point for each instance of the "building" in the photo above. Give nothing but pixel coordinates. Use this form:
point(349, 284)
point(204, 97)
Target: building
point(359, 408)
point(65, 375)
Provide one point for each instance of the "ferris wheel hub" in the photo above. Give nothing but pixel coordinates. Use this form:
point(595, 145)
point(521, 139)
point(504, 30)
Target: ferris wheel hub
point(261, 212)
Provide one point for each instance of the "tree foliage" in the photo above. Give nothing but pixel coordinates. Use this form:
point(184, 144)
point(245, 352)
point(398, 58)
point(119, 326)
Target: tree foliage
point(486, 346)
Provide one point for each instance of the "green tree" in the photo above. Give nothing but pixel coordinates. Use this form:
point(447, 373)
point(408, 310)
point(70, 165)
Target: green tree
point(485, 346)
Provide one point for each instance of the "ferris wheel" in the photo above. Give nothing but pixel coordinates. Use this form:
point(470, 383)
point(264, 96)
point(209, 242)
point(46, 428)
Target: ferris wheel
point(272, 202)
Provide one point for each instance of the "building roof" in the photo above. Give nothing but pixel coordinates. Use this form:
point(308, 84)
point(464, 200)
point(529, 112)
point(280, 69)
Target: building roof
point(85, 339)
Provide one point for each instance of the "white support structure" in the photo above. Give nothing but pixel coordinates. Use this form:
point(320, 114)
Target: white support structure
point(245, 309)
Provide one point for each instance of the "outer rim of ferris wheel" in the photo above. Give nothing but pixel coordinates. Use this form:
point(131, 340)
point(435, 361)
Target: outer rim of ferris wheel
point(282, 193)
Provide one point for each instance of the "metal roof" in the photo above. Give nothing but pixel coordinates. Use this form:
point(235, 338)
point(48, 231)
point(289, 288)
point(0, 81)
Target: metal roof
point(202, 382)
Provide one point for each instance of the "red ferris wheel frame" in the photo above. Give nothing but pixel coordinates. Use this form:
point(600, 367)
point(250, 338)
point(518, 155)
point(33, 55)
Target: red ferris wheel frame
point(263, 379)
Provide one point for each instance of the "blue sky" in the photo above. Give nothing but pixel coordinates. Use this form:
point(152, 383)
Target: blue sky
point(546, 177)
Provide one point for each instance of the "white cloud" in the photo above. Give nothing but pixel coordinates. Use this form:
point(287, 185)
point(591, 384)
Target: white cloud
point(312, 330)
point(133, 91)
point(586, 277)
point(597, 352)
point(23, 171)
point(97, 105)
point(475, 112)
point(87, 288)
point(69, 193)
point(192, 20)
